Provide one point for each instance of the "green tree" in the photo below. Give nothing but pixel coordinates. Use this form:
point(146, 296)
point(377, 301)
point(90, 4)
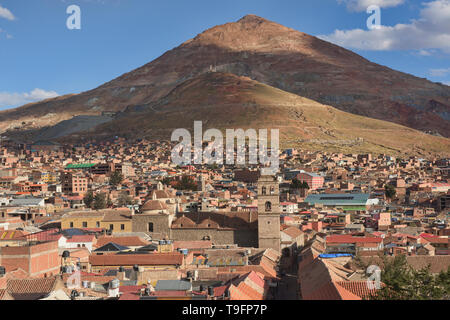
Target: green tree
point(389, 191)
point(125, 200)
point(109, 203)
point(186, 183)
point(88, 199)
point(297, 184)
point(100, 201)
point(166, 181)
point(115, 178)
point(402, 282)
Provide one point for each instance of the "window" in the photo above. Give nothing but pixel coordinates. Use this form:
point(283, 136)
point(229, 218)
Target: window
point(268, 206)
point(122, 227)
point(150, 227)
point(97, 224)
point(71, 224)
point(272, 190)
point(263, 190)
point(84, 224)
point(111, 227)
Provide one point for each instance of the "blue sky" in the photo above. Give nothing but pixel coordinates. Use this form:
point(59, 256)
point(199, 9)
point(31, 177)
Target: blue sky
point(40, 57)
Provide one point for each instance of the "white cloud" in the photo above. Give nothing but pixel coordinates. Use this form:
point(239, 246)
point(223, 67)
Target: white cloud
point(425, 53)
point(5, 13)
point(430, 31)
point(7, 35)
point(362, 5)
point(17, 99)
point(439, 72)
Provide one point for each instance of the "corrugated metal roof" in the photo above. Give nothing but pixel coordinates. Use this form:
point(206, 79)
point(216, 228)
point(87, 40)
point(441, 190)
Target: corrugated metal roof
point(173, 285)
point(80, 165)
point(338, 199)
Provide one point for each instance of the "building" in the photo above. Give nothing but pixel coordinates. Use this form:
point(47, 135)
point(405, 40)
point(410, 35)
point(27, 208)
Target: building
point(353, 244)
point(344, 201)
point(268, 213)
point(74, 183)
point(154, 261)
point(115, 220)
point(313, 180)
point(37, 259)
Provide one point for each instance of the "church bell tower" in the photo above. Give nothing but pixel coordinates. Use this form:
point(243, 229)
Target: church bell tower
point(269, 213)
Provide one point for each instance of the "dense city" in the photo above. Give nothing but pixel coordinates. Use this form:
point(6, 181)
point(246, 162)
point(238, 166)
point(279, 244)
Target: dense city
point(117, 220)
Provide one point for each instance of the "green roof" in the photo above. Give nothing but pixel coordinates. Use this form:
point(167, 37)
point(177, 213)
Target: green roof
point(80, 166)
point(335, 199)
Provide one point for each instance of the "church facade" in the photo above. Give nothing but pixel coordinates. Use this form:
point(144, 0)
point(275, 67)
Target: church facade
point(259, 228)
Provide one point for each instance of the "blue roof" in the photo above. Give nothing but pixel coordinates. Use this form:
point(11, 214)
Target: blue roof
point(333, 199)
point(334, 255)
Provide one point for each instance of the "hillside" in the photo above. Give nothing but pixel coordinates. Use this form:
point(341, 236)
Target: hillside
point(274, 56)
point(223, 100)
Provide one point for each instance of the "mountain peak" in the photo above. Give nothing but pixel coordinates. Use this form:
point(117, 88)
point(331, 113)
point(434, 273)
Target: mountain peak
point(251, 18)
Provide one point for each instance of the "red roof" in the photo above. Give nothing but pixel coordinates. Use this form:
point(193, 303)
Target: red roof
point(81, 238)
point(130, 296)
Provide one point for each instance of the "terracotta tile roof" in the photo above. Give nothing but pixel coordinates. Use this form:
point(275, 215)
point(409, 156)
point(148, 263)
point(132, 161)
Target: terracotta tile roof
point(239, 270)
point(81, 253)
point(183, 222)
point(130, 296)
point(121, 214)
point(358, 288)
point(48, 235)
point(31, 289)
point(161, 194)
point(248, 292)
point(220, 291)
point(81, 238)
point(225, 220)
point(344, 294)
point(139, 259)
point(135, 289)
point(123, 241)
point(192, 245)
point(12, 235)
point(4, 295)
point(153, 205)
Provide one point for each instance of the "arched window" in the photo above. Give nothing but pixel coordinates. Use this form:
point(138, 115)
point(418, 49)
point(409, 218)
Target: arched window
point(207, 238)
point(150, 227)
point(263, 190)
point(268, 206)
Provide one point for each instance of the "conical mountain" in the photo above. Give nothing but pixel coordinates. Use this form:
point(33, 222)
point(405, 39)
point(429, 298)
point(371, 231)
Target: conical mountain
point(266, 52)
